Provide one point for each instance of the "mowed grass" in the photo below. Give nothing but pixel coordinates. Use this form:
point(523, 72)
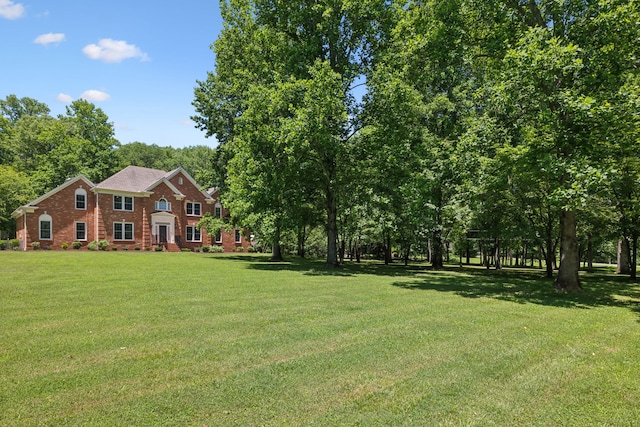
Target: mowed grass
point(115, 339)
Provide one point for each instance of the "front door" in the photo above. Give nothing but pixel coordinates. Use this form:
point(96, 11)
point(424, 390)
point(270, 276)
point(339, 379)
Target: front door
point(162, 230)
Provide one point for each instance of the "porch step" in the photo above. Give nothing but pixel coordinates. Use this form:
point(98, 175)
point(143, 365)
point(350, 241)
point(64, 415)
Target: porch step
point(172, 247)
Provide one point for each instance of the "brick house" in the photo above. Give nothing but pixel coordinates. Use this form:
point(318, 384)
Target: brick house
point(136, 207)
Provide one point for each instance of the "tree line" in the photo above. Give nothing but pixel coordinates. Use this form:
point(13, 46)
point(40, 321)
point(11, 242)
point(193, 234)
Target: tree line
point(413, 123)
point(38, 152)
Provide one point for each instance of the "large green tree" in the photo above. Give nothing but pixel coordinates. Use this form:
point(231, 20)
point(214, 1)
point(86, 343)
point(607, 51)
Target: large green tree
point(325, 46)
point(428, 58)
point(270, 166)
point(14, 108)
point(15, 190)
point(391, 153)
point(559, 71)
point(622, 157)
point(81, 141)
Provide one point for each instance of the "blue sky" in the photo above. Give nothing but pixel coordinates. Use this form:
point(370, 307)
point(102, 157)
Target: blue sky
point(136, 60)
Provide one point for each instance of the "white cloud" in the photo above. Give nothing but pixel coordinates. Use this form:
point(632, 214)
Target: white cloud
point(95, 95)
point(45, 39)
point(11, 10)
point(64, 98)
point(109, 50)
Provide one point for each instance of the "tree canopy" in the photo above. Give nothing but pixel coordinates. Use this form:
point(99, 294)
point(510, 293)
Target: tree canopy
point(39, 152)
point(433, 120)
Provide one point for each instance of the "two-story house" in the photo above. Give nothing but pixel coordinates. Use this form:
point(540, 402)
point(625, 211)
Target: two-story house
point(136, 207)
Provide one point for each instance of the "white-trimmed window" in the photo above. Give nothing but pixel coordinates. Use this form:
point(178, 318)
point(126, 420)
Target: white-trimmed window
point(194, 209)
point(163, 205)
point(81, 231)
point(193, 234)
point(219, 236)
point(180, 180)
point(44, 228)
point(218, 211)
point(81, 199)
point(238, 236)
point(122, 203)
point(122, 231)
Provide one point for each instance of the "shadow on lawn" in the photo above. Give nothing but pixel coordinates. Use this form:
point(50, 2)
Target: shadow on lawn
point(315, 267)
point(528, 286)
point(522, 286)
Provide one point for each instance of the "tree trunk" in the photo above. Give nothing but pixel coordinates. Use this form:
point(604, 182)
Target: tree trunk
point(540, 260)
point(332, 229)
point(589, 255)
point(567, 279)
point(549, 255)
point(624, 264)
point(276, 253)
point(302, 237)
point(468, 255)
point(634, 254)
point(436, 250)
point(406, 254)
point(387, 248)
point(497, 255)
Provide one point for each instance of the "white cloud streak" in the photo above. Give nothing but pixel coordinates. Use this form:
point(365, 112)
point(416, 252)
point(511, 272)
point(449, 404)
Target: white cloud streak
point(91, 95)
point(46, 39)
point(11, 10)
point(109, 50)
point(95, 95)
point(64, 98)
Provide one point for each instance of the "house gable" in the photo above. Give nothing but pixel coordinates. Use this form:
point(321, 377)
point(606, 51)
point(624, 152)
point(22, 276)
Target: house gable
point(177, 193)
point(174, 177)
point(33, 205)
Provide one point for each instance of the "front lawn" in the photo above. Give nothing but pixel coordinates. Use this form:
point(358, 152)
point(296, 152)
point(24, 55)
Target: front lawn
point(186, 339)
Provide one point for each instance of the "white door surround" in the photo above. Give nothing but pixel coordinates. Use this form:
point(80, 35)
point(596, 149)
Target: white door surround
point(165, 219)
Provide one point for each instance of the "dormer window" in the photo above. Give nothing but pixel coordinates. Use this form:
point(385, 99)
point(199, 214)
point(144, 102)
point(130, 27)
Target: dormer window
point(81, 199)
point(163, 205)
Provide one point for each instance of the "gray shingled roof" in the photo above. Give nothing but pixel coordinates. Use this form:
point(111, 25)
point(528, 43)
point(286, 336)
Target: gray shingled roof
point(132, 178)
